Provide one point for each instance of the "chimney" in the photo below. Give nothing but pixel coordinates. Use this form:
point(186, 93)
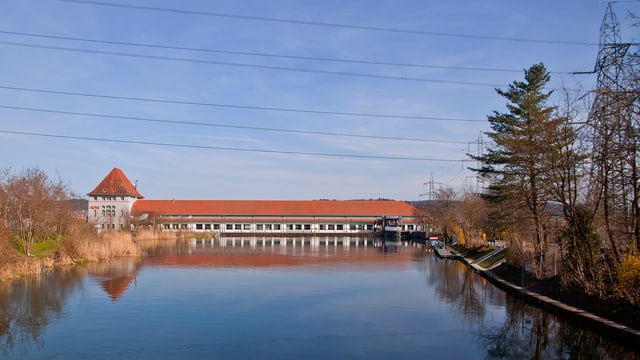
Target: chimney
point(135, 186)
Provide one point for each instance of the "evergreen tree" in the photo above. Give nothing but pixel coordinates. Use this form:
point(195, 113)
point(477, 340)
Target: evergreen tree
point(516, 163)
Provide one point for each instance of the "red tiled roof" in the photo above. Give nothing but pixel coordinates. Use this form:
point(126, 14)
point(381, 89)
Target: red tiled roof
point(116, 183)
point(310, 208)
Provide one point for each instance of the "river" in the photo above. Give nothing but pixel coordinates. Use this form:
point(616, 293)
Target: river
point(279, 298)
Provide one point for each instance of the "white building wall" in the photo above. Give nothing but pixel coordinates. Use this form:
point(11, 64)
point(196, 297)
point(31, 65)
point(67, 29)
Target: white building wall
point(110, 212)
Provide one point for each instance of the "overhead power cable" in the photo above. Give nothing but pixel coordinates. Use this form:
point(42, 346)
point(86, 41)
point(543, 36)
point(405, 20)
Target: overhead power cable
point(259, 54)
point(333, 25)
point(257, 128)
point(256, 66)
point(190, 146)
point(246, 107)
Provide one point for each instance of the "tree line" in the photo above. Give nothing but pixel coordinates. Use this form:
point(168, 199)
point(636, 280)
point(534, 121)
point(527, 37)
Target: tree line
point(559, 181)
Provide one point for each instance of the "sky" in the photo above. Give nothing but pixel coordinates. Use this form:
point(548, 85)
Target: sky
point(279, 99)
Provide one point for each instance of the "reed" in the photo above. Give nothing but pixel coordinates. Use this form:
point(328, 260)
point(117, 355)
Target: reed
point(106, 245)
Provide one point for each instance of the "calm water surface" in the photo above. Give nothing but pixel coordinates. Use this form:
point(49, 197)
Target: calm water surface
point(280, 299)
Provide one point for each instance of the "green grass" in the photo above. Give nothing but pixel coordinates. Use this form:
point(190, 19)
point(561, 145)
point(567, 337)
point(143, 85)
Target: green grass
point(44, 248)
point(492, 260)
point(477, 254)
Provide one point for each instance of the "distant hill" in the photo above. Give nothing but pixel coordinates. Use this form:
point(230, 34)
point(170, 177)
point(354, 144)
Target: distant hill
point(79, 205)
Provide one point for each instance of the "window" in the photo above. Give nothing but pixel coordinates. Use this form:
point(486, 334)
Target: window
point(277, 227)
point(183, 226)
point(121, 212)
point(298, 226)
point(207, 226)
point(289, 226)
point(307, 226)
point(352, 227)
point(229, 227)
point(216, 226)
point(199, 226)
point(246, 226)
point(369, 227)
point(237, 226)
point(331, 227)
point(267, 226)
point(259, 227)
point(339, 227)
point(323, 227)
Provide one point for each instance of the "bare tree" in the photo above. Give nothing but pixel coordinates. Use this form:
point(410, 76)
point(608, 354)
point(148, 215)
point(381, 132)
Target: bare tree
point(35, 204)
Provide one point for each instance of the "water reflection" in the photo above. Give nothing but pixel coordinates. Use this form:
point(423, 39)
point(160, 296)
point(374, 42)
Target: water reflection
point(526, 332)
point(28, 305)
point(530, 332)
point(258, 252)
point(115, 276)
point(495, 325)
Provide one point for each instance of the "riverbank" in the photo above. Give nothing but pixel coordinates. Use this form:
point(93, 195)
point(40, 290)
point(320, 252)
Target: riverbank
point(77, 250)
point(618, 320)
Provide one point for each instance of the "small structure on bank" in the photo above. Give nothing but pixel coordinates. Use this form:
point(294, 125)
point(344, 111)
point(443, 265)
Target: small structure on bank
point(116, 204)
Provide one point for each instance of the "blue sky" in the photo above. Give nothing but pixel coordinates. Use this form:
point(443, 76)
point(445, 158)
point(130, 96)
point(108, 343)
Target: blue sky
point(234, 150)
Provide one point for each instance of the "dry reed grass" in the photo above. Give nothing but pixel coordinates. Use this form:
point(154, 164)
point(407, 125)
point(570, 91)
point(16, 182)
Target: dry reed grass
point(81, 244)
point(101, 246)
point(15, 265)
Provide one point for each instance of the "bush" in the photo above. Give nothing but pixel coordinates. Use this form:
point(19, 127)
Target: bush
point(629, 277)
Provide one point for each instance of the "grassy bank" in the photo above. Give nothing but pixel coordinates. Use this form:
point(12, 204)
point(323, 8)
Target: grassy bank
point(77, 247)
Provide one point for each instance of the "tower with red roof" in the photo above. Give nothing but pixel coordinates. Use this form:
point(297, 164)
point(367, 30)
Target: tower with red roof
point(111, 201)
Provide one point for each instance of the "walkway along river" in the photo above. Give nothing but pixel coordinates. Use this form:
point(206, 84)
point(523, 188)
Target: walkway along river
point(620, 332)
point(281, 299)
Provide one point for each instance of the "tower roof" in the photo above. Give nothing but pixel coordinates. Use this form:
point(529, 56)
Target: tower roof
point(116, 183)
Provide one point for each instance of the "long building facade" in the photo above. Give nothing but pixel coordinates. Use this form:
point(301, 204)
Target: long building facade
point(116, 204)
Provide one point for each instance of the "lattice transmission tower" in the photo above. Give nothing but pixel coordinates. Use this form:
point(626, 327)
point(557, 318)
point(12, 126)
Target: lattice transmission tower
point(610, 64)
point(611, 120)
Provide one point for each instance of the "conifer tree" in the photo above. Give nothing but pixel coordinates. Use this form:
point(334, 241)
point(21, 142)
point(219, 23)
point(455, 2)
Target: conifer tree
point(514, 165)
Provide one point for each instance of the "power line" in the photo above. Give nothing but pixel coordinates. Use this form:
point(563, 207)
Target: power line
point(269, 55)
point(246, 107)
point(283, 152)
point(325, 24)
point(255, 66)
point(308, 132)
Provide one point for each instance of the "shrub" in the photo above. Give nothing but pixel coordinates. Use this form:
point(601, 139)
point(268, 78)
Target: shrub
point(628, 270)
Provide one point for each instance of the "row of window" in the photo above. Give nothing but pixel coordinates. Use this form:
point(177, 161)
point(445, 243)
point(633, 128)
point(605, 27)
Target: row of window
point(268, 227)
point(108, 198)
point(111, 226)
point(273, 227)
point(107, 212)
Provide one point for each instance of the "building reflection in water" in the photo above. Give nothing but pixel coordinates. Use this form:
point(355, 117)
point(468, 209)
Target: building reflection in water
point(116, 276)
point(28, 306)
